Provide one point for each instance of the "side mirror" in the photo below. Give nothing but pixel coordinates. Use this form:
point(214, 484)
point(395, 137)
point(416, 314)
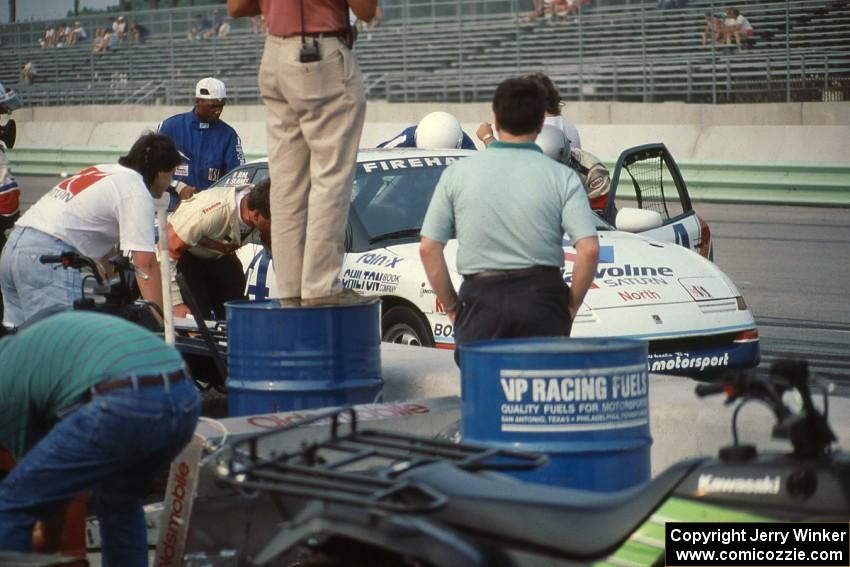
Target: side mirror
point(638, 220)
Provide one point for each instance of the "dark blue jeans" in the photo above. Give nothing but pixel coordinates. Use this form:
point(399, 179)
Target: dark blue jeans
point(115, 445)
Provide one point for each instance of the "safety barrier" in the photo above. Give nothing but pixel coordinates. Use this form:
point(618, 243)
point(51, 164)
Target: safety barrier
point(824, 184)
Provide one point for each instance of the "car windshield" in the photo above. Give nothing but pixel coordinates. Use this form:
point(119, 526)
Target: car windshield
point(391, 196)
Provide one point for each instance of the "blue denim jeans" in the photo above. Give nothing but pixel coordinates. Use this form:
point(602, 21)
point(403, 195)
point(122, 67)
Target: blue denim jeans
point(115, 445)
point(28, 285)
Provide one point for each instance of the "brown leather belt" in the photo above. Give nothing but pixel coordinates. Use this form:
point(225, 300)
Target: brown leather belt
point(142, 381)
point(510, 274)
point(316, 35)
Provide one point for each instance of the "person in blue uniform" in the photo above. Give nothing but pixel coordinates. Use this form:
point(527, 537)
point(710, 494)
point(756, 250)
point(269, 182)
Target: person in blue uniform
point(436, 131)
point(210, 147)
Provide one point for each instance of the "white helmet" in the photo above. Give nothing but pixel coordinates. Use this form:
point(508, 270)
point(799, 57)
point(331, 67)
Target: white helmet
point(554, 143)
point(437, 131)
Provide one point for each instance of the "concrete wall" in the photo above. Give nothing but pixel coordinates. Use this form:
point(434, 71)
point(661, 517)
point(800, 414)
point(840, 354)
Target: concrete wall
point(796, 132)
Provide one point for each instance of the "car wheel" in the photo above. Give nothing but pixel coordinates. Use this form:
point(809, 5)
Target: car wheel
point(402, 325)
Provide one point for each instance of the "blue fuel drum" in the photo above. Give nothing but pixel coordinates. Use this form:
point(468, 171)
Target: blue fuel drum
point(283, 359)
point(584, 402)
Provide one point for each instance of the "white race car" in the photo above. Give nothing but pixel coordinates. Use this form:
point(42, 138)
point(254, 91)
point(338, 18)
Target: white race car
point(654, 282)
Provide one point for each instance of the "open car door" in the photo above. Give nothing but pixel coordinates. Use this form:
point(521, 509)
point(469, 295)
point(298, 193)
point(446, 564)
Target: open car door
point(648, 196)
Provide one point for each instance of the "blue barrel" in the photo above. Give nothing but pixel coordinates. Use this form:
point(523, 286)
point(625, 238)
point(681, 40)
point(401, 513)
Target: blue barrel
point(583, 402)
point(283, 359)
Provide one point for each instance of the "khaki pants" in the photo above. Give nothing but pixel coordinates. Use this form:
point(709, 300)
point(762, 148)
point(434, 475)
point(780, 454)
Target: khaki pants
point(315, 118)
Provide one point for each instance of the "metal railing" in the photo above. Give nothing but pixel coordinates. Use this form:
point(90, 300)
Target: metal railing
point(458, 50)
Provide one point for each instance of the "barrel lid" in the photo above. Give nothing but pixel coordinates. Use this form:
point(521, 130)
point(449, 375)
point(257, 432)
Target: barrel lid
point(553, 345)
point(272, 304)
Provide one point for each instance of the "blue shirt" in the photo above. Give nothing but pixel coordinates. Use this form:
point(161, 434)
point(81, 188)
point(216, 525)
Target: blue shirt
point(509, 207)
point(407, 139)
point(209, 150)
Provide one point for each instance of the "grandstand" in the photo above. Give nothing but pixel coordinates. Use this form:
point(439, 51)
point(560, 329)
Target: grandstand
point(615, 52)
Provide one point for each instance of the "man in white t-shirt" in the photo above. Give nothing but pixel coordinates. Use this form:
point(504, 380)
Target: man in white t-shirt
point(100, 208)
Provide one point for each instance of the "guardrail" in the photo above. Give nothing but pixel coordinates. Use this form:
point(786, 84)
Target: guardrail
point(825, 184)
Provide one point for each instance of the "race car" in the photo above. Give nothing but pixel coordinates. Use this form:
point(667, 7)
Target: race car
point(654, 281)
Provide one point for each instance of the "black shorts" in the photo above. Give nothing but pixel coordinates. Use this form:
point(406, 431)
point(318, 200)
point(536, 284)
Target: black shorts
point(213, 281)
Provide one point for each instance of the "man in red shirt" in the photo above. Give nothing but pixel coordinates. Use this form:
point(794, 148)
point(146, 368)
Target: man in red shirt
point(313, 91)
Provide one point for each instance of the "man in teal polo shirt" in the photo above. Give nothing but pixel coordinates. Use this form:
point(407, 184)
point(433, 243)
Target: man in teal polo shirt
point(89, 402)
point(509, 208)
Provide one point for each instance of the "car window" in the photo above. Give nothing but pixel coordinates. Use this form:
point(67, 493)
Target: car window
point(648, 176)
point(395, 199)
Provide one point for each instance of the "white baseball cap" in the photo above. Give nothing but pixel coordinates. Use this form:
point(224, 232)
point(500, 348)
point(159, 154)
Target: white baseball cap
point(210, 88)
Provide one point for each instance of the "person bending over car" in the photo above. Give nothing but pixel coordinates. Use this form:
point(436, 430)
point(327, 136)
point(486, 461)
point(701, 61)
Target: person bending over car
point(436, 131)
point(204, 234)
point(91, 213)
point(510, 251)
point(89, 402)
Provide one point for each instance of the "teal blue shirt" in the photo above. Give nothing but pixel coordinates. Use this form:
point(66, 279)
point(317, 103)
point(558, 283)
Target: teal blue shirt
point(509, 207)
point(48, 368)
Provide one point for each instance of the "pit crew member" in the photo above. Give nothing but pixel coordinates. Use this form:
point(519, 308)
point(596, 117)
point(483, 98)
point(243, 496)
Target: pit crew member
point(9, 191)
point(510, 252)
point(92, 212)
point(89, 402)
point(204, 234)
point(591, 171)
point(437, 130)
point(210, 147)
point(553, 113)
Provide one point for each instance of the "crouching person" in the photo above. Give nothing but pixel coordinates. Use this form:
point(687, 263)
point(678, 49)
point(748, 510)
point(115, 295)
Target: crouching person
point(89, 402)
point(204, 234)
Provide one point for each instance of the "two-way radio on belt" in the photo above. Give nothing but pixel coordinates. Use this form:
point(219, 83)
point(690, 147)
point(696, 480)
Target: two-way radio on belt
point(309, 53)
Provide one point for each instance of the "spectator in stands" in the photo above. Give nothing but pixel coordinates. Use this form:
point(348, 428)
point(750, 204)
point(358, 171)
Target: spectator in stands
point(120, 28)
point(713, 29)
point(736, 25)
point(78, 32)
point(437, 130)
point(111, 39)
point(210, 147)
point(140, 32)
point(100, 43)
point(215, 22)
point(62, 35)
point(223, 28)
point(49, 37)
point(29, 72)
point(538, 11)
point(553, 113)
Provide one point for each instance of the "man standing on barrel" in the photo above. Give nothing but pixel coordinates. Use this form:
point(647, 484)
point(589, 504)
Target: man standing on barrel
point(509, 208)
point(313, 91)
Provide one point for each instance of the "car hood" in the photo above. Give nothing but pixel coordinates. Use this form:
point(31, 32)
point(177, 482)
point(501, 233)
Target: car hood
point(632, 270)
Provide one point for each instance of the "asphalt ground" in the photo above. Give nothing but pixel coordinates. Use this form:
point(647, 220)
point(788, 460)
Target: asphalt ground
point(791, 263)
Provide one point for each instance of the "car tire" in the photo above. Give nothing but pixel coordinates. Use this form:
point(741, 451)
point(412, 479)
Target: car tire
point(403, 325)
